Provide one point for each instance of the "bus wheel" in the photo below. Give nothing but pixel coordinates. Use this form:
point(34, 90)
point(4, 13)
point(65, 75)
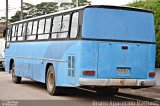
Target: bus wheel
point(15, 79)
point(107, 91)
point(51, 83)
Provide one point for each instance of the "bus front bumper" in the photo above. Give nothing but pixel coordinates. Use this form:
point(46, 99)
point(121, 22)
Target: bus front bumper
point(117, 82)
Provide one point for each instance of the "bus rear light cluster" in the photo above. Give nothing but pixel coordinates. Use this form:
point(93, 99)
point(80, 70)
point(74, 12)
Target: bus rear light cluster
point(152, 74)
point(89, 72)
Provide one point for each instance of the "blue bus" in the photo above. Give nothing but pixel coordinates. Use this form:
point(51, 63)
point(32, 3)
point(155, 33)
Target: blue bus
point(96, 47)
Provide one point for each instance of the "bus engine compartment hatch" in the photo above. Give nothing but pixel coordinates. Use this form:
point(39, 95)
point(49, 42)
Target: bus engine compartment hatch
point(122, 60)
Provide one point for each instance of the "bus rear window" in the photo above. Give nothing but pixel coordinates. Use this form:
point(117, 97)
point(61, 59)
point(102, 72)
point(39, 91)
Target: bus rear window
point(104, 23)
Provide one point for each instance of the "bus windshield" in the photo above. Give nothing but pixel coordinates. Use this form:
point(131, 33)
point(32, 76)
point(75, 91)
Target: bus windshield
point(116, 24)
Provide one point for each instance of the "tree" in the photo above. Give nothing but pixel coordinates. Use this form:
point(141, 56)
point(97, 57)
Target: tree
point(29, 10)
point(65, 6)
point(43, 8)
point(153, 5)
point(74, 4)
point(80, 2)
point(16, 17)
point(46, 8)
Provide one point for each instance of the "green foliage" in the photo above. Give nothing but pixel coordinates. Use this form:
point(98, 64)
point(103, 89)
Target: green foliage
point(80, 3)
point(16, 17)
point(46, 8)
point(153, 5)
point(43, 8)
point(65, 6)
point(31, 10)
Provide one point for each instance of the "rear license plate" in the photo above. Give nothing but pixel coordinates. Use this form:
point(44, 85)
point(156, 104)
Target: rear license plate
point(122, 71)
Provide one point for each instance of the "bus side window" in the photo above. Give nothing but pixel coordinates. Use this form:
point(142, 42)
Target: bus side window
point(19, 32)
point(29, 28)
point(24, 30)
point(74, 25)
point(47, 26)
point(65, 27)
point(13, 38)
point(41, 26)
point(16, 31)
point(8, 34)
point(8, 38)
point(34, 32)
point(41, 30)
point(56, 26)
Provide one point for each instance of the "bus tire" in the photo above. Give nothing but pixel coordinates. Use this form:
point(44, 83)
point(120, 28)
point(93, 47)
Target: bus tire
point(51, 82)
point(107, 91)
point(15, 79)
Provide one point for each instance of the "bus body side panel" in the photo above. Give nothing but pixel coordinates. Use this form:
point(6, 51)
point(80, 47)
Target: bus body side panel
point(31, 58)
point(88, 57)
point(7, 63)
point(151, 59)
point(65, 75)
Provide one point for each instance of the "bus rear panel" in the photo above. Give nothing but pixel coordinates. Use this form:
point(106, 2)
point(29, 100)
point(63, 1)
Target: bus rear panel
point(120, 47)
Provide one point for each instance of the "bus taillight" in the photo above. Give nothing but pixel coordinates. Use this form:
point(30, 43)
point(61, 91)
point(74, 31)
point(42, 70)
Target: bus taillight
point(152, 74)
point(89, 72)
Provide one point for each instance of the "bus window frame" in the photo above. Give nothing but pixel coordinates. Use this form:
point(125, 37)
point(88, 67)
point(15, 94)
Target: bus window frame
point(11, 32)
point(19, 36)
point(62, 23)
point(30, 30)
point(44, 27)
point(56, 32)
point(49, 27)
point(59, 33)
point(70, 13)
point(24, 31)
point(31, 33)
point(37, 22)
point(15, 32)
point(77, 35)
point(8, 36)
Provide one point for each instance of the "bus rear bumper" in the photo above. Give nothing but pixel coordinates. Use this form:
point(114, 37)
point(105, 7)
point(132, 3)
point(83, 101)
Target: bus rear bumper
point(117, 82)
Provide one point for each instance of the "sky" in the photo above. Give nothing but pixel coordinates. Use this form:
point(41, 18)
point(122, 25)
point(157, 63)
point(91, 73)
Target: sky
point(14, 5)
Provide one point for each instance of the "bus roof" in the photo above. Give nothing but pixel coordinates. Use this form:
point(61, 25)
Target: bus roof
point(82, 7)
